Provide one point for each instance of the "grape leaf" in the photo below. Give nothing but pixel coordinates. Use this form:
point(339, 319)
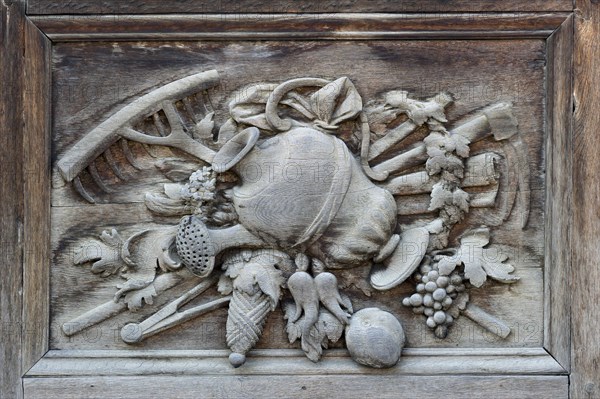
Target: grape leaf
point(462, 145)
point(482, 262)
point(460, 199)
point(443, 198)
point(268, 279)
point(134, 299)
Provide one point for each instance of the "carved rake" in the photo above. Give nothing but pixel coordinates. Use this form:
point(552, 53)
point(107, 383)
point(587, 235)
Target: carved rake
point(121, 126)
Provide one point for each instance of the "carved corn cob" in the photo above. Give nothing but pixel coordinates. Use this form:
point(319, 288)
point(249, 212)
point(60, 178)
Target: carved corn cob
point(247, 315)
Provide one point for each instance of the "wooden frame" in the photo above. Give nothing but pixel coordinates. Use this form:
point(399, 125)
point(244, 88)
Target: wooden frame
point(25, 213)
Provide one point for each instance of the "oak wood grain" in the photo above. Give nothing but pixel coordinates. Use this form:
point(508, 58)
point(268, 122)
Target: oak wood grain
point(91, 80)
point(415, 361)
point(585, 282)
point(558, 193)
point(36, 196)
point(300, 26)
point(12, 22)
point(290, 6)
point(301, 386)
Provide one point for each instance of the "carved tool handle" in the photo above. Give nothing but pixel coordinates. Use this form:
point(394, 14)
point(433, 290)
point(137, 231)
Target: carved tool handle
point(487, 321)
point(181, 317)
point(172, 307)
point(111, 308)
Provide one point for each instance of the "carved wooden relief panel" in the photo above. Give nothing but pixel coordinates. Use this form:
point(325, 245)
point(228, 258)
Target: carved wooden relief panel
point(259, 198)
point(299, 199)
point(283, 187)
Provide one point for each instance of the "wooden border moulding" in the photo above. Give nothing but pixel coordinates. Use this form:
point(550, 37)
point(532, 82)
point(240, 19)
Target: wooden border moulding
point(73, 373)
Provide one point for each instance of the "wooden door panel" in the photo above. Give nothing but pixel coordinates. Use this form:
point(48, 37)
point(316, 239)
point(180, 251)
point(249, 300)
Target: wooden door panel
point(101, 58)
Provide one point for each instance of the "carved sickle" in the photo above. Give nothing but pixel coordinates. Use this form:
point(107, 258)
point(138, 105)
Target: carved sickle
point(121, 124)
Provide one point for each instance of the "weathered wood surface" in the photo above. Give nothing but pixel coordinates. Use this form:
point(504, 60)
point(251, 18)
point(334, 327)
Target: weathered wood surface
point(12, 24)
point(91, 80)
point(415, 361)
point(36, 196)
point(328, 26)
point(585, 251)
point(477, 387)
point(289, 6)
point(558, 193)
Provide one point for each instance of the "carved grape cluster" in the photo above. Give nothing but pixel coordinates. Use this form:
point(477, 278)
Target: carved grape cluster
point(436, 292)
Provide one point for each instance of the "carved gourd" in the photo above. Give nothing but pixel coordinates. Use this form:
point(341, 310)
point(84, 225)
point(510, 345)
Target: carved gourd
point(304, 189)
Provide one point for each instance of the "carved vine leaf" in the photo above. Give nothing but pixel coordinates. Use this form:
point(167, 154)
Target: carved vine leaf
point(251, 277)
point(202, 131)
point(267, 277)
point(441, 196)
point(479, 262)
point(136, 298)
point(105, 253)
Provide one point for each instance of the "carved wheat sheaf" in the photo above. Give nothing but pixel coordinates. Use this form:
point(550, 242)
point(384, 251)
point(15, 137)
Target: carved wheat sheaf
point(338, 186)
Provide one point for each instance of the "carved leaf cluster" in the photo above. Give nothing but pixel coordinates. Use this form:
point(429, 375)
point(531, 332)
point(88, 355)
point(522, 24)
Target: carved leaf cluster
point(479, 262)
point(105, 253)
point(446, 163)
point(251, 277)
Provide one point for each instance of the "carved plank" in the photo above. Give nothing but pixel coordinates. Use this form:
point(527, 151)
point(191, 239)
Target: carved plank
point(36, 253)
point(289, 6)
point(12, 22)
point(481, 387)
point(134, 70)
point(329, 26)
point(558, 193)
point(585, 251)
point(415, 361)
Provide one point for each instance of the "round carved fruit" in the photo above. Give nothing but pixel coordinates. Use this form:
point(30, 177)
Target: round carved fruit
point(375, 338)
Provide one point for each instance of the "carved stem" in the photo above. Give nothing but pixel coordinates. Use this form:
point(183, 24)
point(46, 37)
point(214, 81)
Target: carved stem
point(235, 236)
point(480, 171)
point(486, 320)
